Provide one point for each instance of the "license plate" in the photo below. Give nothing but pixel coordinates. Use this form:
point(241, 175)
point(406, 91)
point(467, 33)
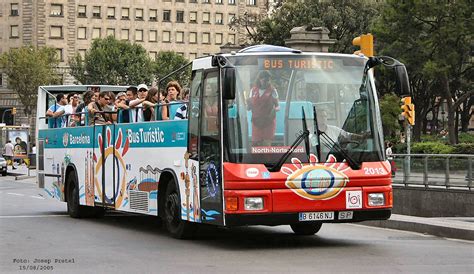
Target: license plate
point(345, 215)
point(316, 216)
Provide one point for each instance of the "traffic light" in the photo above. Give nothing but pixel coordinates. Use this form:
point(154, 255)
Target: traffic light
point(408, 110)
point(13, 111)
point(366, 44)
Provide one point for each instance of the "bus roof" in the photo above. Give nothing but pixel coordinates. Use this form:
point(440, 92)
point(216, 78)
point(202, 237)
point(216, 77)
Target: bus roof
point(80, 88)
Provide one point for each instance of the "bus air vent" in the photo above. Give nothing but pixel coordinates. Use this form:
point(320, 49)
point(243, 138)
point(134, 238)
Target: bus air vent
point(139, 200)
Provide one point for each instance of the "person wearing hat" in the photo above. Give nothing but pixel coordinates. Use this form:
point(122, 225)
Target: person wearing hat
point(263, 102)
point(136, 114)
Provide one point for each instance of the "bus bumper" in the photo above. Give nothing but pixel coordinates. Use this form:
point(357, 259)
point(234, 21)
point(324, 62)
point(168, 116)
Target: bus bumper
point(292, 218)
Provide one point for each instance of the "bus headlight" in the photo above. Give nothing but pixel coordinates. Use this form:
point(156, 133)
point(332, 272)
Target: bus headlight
point(376, 199)
point(253, 203)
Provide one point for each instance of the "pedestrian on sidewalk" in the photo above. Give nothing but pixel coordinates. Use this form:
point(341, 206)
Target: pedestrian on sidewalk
point(8, 153)
point(389, 154)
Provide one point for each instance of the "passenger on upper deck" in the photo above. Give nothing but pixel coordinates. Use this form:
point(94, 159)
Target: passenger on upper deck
point(182, 112)
point(173, 89)
point(56, 111)
point(88, 97)
point(263, 102)
point(131, 95)
point(136, 104)
point(70, 108)
point(150, 102)
point(96, 109)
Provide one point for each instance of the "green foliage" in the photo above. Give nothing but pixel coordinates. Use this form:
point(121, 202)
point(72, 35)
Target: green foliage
point(435, 43)
point(399, 148)
point(169, 61)
point(28, 68)
point(345, 20)
point(390, 110)
point(466, 137)
point(113, 62)
point(431, 148)
point(431, 138)
point(464, 148)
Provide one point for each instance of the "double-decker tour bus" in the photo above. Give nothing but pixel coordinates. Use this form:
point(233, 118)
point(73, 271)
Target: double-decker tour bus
point(272, 136)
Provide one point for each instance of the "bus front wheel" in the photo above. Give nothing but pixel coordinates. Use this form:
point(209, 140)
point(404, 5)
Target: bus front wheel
point(74, 209)
point(174, 224)
point(306, 228)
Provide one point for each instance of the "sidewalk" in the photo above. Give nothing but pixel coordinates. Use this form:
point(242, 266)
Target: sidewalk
point(21, 172)
point(449, 227)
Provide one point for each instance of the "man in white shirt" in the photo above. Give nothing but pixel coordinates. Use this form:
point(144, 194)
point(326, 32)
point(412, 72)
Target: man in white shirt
point(8, 153)
point(70, 108)
point(137, 106)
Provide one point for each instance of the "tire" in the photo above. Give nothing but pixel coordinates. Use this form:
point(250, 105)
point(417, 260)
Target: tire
point(4, 173)
point(172, 218)
point(74, 209)
point(306, 229)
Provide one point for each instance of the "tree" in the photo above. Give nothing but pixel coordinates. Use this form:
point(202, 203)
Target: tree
point(345, 20)
point(27, 68)
point(434, 41)
point(169, 61)
point(390, 110)
point(113, 62)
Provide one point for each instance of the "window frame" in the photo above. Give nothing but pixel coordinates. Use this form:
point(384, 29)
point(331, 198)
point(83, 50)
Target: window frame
point(155, 18)
point(61, 33)
point(17, 27)
point(96, 15)
point(112, 17)
point(61, 10)
point(78, 33)
point(166, 18)
point(137, 17)
point(82, 14)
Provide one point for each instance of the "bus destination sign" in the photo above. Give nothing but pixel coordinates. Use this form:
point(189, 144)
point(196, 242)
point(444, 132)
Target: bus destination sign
point(296, 63)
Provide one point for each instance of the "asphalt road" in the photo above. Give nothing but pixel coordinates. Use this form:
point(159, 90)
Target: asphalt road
point(37, 236)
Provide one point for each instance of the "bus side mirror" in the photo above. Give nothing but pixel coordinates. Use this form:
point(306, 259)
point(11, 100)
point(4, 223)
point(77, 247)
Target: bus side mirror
point(228, 86)
point(403, 84)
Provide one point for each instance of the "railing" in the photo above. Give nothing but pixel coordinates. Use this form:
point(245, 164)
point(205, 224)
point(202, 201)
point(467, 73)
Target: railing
point(173, 106)
point(444, 171)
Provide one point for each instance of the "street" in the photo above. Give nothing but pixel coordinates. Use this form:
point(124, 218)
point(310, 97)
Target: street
point(36, 234)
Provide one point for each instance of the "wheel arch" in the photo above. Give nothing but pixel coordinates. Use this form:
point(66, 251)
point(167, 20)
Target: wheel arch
point(166, 175)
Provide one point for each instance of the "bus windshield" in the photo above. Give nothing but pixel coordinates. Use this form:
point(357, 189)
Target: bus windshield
point(278, 96)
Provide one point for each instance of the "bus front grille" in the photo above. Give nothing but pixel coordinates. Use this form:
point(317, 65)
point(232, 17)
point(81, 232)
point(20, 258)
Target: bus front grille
point(139, 200)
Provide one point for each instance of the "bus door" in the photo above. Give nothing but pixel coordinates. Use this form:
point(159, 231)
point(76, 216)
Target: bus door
point(104, 171)
point(205, 144)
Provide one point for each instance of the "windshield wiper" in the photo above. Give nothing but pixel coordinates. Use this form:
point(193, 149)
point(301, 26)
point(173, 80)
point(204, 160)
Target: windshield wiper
point(330, 144)
point(304, 135)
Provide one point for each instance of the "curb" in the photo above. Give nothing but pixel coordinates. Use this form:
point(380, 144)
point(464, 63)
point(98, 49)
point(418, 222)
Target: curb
point(442, 227)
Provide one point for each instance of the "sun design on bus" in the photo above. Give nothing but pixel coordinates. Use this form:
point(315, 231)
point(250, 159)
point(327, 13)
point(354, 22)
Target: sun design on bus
point(316, 181)
point(116, 151)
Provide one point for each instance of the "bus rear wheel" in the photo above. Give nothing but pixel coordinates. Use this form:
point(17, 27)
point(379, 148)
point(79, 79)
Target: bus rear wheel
point(306, 229)
point(174, 224)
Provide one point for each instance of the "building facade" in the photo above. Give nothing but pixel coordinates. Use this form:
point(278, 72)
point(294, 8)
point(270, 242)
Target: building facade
point(191, 28)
